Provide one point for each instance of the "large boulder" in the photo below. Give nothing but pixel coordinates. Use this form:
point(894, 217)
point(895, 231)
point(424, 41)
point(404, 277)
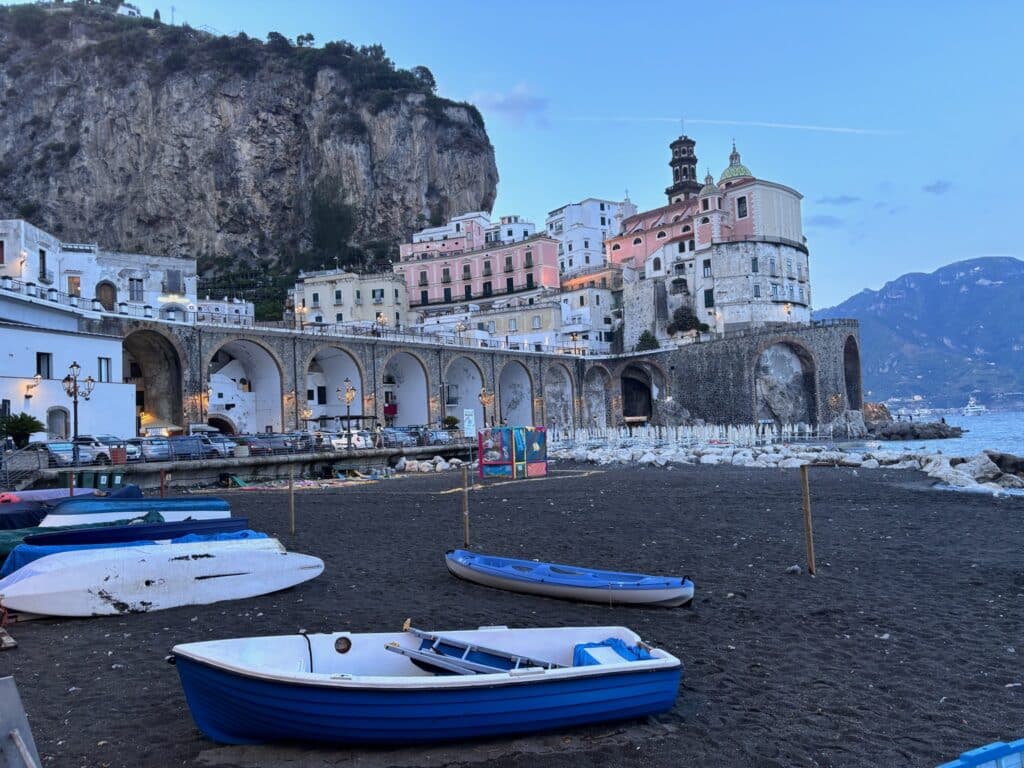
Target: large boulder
point(981, 468)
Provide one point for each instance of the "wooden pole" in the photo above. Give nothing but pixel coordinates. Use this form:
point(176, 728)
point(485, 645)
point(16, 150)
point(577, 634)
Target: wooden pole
point(163, 482)
point(808, 529)
point(71, 484)
point(465, 506)
point(291, 499)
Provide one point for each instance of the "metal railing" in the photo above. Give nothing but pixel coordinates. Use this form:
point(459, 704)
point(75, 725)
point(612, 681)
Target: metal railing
point(742, 436)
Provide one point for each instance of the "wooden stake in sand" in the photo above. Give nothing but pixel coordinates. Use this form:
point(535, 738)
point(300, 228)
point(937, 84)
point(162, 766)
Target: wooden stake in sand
point(808, 530)
point(71, 484)
point(163, 481)
point(465, 506)
point(291, 499)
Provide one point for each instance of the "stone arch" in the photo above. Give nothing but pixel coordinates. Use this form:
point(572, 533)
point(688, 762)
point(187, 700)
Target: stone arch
point(559, 399)
point(327, 367)
point(406, 387)
point(58, 421)
point(106, 295)
point(852, 375)
point(785, 390)
point(223, 423)
point(596, 396)
point(245, 380)
point(643, 389)
point(515, 395)
point(152, 360)
point(463, 382)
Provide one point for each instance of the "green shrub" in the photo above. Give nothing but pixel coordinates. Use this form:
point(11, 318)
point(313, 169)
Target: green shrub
point(646, 342)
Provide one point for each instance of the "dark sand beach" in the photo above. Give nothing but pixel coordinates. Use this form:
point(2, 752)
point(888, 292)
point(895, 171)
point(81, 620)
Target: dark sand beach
point(905, 650)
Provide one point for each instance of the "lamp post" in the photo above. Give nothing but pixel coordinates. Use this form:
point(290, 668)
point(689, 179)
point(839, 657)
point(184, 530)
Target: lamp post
point(574, 337)
point(76, 389)
point(307, 414)
point(300, 313)
point(347, 395)
point(486, 397)
point(788, 308)
point(382, 323)
point(460, 328)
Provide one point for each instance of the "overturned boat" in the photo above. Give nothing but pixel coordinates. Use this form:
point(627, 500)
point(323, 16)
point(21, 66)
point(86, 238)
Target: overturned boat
point(135, 577)
point(570, 582)
point(95, 509)
point(414, 686)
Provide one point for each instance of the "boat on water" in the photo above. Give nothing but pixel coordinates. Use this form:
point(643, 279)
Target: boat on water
point(417, 687)
point(570, 581)
point(93, 509)
point(135, 577)
point(973, 408)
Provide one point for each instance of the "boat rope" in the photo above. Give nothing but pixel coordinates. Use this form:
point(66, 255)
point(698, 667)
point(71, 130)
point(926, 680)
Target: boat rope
point(309, 648)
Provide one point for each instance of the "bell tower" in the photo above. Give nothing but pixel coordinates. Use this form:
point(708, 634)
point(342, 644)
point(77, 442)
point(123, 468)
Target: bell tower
point(685, 183)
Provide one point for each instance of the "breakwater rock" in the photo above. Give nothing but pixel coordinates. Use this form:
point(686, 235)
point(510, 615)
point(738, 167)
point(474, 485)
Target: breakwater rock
point(988, 471)
point(910, 430)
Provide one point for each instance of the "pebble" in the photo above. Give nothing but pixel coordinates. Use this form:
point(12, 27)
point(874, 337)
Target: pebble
point(795, 569)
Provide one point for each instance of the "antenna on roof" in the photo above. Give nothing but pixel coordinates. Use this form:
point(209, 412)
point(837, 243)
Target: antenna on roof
point(682, 125)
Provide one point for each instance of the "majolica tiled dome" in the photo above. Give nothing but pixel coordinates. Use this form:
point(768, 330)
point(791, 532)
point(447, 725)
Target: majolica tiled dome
point(736, 169)
point(709, 187)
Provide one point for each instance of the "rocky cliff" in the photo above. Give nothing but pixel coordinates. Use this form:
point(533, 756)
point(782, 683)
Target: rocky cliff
point(149, 137)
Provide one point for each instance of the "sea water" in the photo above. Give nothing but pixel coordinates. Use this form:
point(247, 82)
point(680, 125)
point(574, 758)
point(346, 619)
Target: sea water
point(994, 430)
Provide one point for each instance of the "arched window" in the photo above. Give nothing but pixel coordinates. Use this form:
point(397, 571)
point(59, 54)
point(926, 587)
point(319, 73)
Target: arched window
point(656, 266)
point(637, 241)
point(616, 247)
point(686, 228)
point(57, 423)
point(662, 235)
point(106, 294)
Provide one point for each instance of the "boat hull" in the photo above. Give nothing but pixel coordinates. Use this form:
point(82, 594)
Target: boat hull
point(671, 596)
point(82, 511)
point(138, 532)
point(233, 707)
point(153, 577)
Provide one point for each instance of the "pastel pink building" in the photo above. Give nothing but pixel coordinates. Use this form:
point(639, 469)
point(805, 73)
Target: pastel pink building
point(468, 259)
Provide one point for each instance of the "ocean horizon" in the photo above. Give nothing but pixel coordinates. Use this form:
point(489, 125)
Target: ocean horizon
point(994, 430)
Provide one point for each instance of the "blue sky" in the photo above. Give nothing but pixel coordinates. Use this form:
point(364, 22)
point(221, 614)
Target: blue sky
point(581, 98)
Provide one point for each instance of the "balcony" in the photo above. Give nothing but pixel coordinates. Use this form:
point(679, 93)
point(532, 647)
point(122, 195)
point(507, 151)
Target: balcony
point(487, 272)
point(46, 276)
point(510, 268)
point(528, 264)
point(422, 282)
point(378, 300)
point(446, 278)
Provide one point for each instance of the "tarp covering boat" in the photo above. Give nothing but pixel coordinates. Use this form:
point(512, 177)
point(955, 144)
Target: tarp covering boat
point(11, 538)
point(23, 554)
point(102, 533)
point(22, 514)
point(570, 581)
point(413, 687)
point(92, 509)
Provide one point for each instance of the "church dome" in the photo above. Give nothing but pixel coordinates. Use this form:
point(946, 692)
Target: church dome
point(709, 187)
point(736, 169)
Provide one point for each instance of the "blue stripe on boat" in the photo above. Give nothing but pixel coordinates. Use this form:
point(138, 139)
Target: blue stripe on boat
point(142, 531)
point(237, 709)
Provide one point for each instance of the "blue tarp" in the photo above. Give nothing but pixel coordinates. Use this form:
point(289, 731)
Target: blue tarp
point(23, 554)
point(580, 657)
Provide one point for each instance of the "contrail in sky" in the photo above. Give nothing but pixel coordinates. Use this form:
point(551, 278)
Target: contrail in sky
point(750, 123)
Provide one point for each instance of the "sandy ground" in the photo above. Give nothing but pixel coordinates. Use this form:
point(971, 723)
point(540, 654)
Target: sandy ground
point(905, 650)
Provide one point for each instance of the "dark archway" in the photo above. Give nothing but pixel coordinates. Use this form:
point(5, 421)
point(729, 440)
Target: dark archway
point(637, 396)
point(223, 423)
point(852, 375)
point(152, 363)
point(784, 385)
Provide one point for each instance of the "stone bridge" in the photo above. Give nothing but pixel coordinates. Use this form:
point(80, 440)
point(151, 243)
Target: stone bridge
point(260, 379)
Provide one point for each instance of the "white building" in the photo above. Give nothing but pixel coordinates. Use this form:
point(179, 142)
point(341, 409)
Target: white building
point(581, 229)
point(510, 229)
point(46, 348)
point(341, 299)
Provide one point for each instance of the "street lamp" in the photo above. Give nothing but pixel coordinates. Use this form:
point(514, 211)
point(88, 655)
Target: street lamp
point(574, 337)
point(348, 394)
point(76, 389)
point(460, 328)
point(788, 308)
point(307, 414)
point(300, 313)
point(486, 397)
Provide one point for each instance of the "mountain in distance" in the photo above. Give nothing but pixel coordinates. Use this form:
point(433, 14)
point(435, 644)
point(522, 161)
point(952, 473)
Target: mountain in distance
point(946, 336)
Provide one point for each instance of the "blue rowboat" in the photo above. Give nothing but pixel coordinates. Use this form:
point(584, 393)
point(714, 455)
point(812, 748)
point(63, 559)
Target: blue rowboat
point(417, 687)
point(92, 509)
point(996, 755)
point(571, 582)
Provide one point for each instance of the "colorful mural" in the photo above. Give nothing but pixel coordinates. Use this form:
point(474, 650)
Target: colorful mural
point(515, 452)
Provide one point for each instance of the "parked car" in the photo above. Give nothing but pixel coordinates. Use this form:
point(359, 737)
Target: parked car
point(224, 446)
point(152, 448)
point(301, 442)
point(191, 448)
point(102, 444)
point(430, 436)
point(352, 438)
point(396, 438)
point(275, 442)
point(256, 446)
point(60, 453)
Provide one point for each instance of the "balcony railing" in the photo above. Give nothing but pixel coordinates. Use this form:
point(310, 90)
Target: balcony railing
point(446, 278)
point(46, 276)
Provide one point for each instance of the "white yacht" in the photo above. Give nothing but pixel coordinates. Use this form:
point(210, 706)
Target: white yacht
point(973, 408)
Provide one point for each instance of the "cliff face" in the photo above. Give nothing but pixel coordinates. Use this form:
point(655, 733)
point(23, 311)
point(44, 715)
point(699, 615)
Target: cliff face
point(146, 137)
